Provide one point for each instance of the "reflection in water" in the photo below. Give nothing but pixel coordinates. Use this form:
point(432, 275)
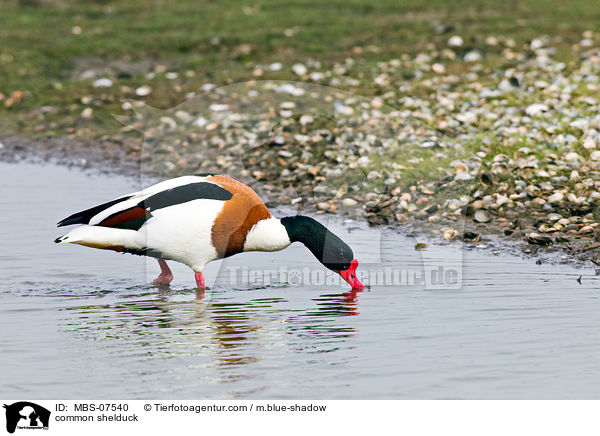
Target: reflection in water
point(220, 331)
point(83, 326)
point(345, 304)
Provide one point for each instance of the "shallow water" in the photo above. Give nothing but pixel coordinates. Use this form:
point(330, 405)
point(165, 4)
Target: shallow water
point(83, 323)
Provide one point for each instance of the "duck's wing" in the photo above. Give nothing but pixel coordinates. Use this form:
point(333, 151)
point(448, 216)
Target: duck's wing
point(85, 216)
point(133, 210)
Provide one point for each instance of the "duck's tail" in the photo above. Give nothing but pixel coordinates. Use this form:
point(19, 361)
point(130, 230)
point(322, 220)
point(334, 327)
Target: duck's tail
point(105, 238)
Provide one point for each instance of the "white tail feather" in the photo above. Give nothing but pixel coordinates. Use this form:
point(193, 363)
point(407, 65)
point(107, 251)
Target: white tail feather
point(102, 237)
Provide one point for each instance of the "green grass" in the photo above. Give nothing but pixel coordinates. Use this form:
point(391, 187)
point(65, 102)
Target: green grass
point(180, 33)
point(223, 41)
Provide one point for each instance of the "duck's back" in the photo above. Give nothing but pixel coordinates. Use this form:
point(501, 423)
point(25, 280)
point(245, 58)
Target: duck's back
point(190, 219)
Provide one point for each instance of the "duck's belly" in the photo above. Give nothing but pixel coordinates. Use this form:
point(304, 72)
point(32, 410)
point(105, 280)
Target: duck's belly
point(183, 232)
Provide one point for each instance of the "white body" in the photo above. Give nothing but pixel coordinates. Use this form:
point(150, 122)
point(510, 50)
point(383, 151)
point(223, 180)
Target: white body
point(181, 232)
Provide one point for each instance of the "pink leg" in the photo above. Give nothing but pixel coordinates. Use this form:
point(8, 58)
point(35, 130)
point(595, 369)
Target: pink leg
point(166, 276)
point(200, 281)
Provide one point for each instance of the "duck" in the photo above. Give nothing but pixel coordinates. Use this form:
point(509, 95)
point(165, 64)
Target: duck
point(196, 219)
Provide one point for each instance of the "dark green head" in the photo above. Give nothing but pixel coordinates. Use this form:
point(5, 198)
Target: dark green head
point(327, 247)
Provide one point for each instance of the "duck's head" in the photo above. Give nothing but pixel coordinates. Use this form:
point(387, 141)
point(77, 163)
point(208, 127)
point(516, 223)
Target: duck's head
point(327, 247)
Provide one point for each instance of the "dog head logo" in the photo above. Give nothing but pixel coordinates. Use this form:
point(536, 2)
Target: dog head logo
point(26, 415)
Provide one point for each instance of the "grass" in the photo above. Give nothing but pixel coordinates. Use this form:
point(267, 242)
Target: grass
point(206, 36)
point(47, 46)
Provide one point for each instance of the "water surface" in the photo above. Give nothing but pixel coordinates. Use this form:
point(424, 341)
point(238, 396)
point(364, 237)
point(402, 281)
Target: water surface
point(83, 323)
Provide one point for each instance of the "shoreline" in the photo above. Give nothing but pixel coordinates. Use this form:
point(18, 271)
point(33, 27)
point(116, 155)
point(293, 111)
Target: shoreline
point(491, 237)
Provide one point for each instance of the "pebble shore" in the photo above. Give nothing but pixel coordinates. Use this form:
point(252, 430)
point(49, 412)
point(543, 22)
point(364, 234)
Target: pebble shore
point(449, 144)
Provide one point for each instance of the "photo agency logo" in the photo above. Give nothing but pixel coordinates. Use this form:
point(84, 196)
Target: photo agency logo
point(244, 276)
point(24, 415)
point(353, 163)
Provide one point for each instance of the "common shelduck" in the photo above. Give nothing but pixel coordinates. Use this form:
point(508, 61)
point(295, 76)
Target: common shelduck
point(197, 219)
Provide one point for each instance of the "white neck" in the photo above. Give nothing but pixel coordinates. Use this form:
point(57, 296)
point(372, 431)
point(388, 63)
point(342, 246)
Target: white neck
point(267, 235)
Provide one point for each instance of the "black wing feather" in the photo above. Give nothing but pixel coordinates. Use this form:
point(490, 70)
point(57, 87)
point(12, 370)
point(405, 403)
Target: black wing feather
point(170, 197)
point(85, 216)
point(185, 193)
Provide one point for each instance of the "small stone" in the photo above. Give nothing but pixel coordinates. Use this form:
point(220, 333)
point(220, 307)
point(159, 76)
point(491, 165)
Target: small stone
point(536, 109)
point(87, 113)
point(168, 121)
point(506, 86)
point(542, 173)
point(502, 199)
point(218, 107)
point(299, 69)
point(449, 234)
point(184, 116)
point(143, 91)
point(349, 202)
point(595, 155)
point(102, 83)
point(88, 74)
point(306, 119)
point(438, 68)
point(589, 144)
point(572, 157)
point(536, 44)
point(574, 176)
point(468, 117)
point(455, 41)
point(463, 176)
point(460, 166)
point(481, 216)
point(201, 122)
point(556, 198)
point(377, 103)
point(580, 124)
point(323, 206)
point(586, 229)
point(454, 204)
point(477, 204)
point(314, 170)
point(538, 239)
point(472, 236)
point(473, 56)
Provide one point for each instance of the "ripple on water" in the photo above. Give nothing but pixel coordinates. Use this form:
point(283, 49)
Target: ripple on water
point(85, 323)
